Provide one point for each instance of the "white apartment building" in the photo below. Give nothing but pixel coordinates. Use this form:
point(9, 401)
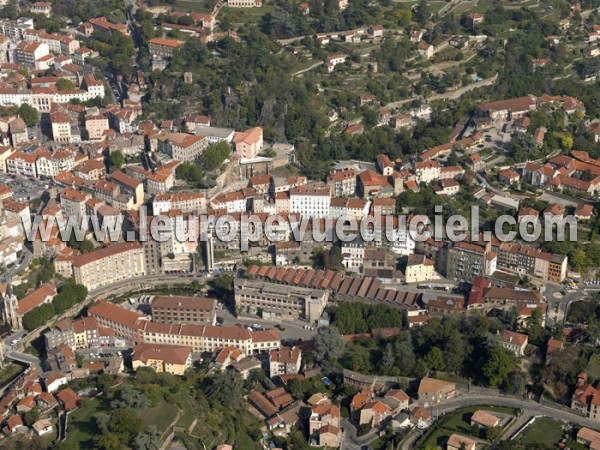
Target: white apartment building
point(187, 203)
point(57, 43)
point(15, 29)
point(41, 99)
point(29, 53)
point(402, 243)
point(310, 201)
point(244, 3)
point(94, 87)
point(232, 202)
point(22, 164)
point(353, 254)
point(427, 171)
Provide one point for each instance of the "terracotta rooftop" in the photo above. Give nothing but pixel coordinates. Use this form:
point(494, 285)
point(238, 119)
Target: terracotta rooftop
point(106, 252)
point(170, 354)
point(35, 298)
point(432, 385)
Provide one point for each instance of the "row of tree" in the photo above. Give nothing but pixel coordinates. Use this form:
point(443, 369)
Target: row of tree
point(68, 295)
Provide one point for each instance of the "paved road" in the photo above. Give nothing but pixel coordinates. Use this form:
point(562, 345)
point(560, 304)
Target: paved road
point(141, 283)
point(528, 407)
point(453, 95)
point(353, 442)
point(25, 358)
point(313, 66)
point(25, 260)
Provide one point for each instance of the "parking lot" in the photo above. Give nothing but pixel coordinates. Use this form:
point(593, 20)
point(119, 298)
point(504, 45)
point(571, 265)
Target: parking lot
point(103, 352)
point(25, 189)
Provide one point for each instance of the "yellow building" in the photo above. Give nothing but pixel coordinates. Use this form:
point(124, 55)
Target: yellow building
point(419, 269)
point(173, 359)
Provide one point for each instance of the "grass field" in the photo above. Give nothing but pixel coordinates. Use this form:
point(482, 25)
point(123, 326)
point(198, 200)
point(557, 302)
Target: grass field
point(160, 416)
point(9, 373)
point(201, 6)
point(543, 432)
point(457, 422)
point(246, 15)
point(81, 428)
point(593, 367)
point(188, 413)
point(574, 445)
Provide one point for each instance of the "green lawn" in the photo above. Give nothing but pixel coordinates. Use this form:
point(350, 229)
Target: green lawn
point(543, 431)
point(574, 445)
point(160, 416)
point(201, 6)
point(9, 373)
point(246, 15)
point(194, 5)
point(458, 422)
point(593, 367)
point(189, 414)
point(81, 427)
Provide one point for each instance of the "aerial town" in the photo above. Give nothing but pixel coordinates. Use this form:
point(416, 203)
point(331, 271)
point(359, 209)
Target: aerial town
point(270, 224)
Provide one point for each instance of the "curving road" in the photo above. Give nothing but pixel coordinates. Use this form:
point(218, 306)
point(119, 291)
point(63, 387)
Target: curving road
point(528, 407)
point(24, 262)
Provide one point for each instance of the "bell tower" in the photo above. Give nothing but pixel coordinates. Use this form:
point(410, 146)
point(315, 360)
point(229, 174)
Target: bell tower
point(10, 306)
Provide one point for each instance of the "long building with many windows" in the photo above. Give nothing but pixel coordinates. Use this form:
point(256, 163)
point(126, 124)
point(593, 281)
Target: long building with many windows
point(109, 265)
point(136, 328)
point(184, 310)
point(281, 302)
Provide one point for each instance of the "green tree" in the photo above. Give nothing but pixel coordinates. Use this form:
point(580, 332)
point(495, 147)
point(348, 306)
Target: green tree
point(435, 359)
point(222, 285)
point(117, 159)
point(578, 259)
point(454, 352)
point(64, 84)
point(110, 441)
point(422, 13)
point(332, 259)
point(225, 388)
point(329, 344)
point(567, 141)
point(38, 316)
point(190, 172)
point(515, 383)
point(403, 16)
point(31, 417)
point(126, 424)
point(535, 327)
point(29, 114)
point(214, 155)
point(499, 363)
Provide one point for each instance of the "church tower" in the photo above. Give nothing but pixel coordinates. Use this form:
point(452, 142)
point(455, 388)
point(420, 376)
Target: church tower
point(10, 305)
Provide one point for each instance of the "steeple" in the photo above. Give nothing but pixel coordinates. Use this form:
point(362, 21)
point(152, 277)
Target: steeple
point(10, 306)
